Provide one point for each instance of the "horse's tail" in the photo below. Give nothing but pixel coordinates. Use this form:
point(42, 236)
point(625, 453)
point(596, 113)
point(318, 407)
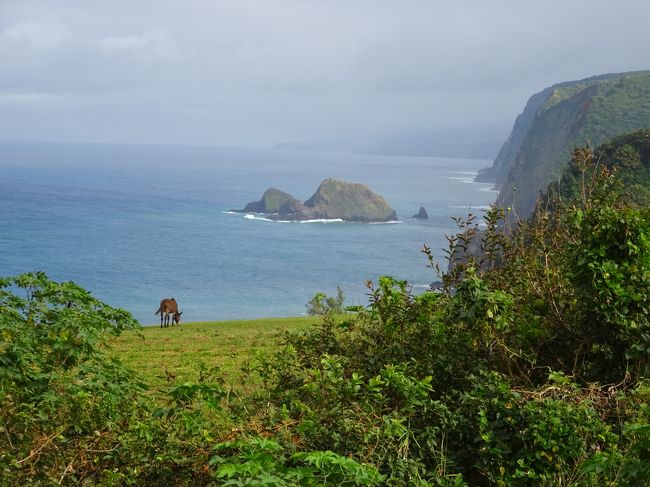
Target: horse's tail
point(159, 310)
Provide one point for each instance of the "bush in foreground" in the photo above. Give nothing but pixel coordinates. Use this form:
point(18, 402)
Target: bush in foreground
point(529, 368)
point(71, 413)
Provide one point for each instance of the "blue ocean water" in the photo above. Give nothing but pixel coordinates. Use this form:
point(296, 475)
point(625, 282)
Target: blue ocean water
point(134, 224)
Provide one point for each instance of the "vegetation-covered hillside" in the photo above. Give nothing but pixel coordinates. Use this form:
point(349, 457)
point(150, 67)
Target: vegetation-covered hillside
point(557, 120)
point(627, 155)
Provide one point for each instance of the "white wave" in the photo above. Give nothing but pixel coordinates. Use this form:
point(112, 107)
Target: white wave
point(421, 286)
point(469, 177)
point(323, 220)
point(461, 179)
point(229, 212)
point(316, 220)
point(250, 216)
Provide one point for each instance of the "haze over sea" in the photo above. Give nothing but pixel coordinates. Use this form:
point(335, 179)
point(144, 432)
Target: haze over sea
point(136, 223)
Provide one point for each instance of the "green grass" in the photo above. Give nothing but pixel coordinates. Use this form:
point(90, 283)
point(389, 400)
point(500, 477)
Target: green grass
point(176, 351)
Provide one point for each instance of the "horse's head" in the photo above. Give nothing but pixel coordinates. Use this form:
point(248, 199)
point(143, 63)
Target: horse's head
point(177, 317)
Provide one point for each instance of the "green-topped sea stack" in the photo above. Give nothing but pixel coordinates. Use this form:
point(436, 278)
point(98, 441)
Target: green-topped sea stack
point(333, 200)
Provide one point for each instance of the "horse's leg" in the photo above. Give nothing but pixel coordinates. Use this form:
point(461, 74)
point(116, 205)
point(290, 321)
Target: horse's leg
point(161, 318)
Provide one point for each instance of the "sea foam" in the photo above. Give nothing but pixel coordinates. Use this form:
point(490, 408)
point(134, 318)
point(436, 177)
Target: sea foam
point(250, 216)
point(323, 220)
point(463, 176)
point(318, 220)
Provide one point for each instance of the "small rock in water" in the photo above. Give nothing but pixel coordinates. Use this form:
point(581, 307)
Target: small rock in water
point(422, 214)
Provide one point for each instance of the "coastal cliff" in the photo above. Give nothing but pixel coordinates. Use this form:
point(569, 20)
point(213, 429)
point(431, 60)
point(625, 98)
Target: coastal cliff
point(558, 119)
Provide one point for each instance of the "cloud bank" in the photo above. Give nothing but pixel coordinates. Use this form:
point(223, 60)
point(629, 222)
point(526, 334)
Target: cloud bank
point(256, 72)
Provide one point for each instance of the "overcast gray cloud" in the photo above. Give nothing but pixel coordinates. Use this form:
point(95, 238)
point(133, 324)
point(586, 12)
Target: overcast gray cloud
point(245, 72)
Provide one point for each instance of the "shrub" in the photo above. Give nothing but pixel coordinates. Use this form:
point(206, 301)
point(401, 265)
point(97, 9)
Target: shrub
point(60, 393)
point(520, 371)
point(321, 304)
point(265, 462)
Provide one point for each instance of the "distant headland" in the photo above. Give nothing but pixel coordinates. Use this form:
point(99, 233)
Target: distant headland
point(334, 199)
point(558, 119)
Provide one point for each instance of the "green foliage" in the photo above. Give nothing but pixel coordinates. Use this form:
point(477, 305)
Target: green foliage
point(72, 413)
point(523, 370)
point(264, 462)
point(59, 390)
point(611, 278)
point(321, 304)
point(606, 259)
point(621, 106)
point(523, 437)
point(628, 156)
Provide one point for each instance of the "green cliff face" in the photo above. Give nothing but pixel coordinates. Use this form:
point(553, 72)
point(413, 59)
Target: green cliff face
point(558, 119)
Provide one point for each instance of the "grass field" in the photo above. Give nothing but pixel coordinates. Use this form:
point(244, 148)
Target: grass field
point(178, 350)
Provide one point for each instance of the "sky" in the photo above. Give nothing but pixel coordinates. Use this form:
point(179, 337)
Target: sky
point(253, 73)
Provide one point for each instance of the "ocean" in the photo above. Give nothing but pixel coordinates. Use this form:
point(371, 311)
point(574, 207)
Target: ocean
point(136, 223)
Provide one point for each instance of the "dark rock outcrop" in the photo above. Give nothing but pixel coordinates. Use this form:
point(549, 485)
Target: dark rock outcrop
point(332, 200)
point(422, 214)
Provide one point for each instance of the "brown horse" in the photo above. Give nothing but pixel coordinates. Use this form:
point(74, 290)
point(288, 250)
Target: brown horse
point(169, 310)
